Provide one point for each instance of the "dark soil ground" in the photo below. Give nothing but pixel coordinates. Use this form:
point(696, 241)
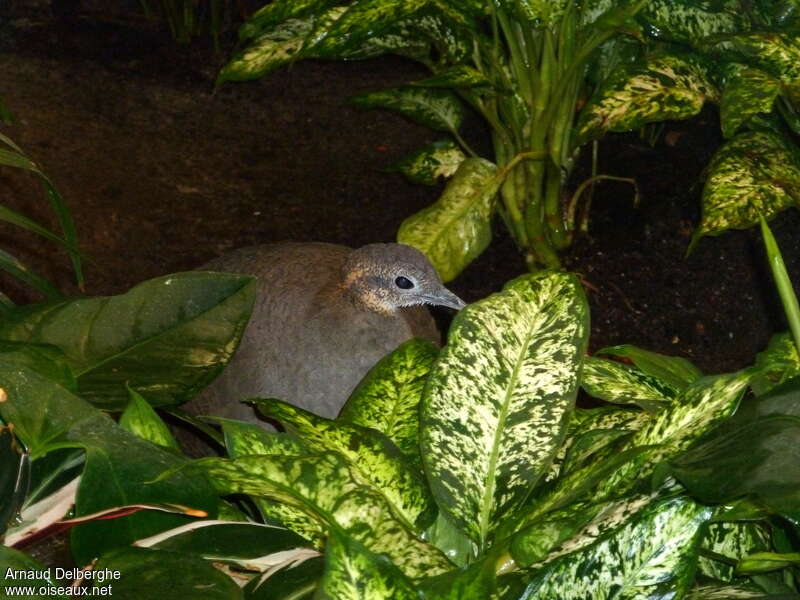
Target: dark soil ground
point(162, 173)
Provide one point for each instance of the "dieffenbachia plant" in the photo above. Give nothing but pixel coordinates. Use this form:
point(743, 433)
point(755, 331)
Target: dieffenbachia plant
point(461, 473)
point(549, 77)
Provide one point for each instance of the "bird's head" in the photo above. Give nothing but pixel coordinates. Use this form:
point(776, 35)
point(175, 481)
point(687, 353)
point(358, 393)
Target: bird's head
point(385, 277)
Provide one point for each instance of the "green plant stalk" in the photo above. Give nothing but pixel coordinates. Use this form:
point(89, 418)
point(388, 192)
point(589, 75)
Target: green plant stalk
point(782, 282)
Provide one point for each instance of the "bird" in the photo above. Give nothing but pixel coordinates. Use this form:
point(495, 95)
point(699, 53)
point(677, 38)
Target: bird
point(324, 314)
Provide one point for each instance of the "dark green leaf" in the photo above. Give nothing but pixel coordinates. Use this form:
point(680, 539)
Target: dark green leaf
point(690, 20)
point(438, 109)
point(673, 370)
point(776, 364)
point(294, 583)
point(427, 166)
point(747, 93)
point(167, 337)
point(18, 565)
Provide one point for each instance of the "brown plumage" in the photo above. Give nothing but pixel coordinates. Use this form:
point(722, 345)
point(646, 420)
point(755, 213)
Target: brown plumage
point(324, 315)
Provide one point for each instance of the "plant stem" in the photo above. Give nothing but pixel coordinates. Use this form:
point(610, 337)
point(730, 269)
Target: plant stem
point(782, 282)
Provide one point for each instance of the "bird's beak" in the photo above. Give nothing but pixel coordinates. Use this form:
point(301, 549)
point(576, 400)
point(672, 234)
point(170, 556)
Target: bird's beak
point(444, 297)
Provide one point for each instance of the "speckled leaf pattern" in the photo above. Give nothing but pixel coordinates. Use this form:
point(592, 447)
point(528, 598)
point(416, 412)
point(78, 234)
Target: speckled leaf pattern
point(141, 420)
point(269, 51)
point(666, 86)
point(755, 174)
point(428, 165)
point(244, 439)
point(324, 488)
point(498, 399)
point(704, 404)
point(777, 53)
point(748, 92)
point(543, 13)
point(673, 370)
point(776, 364)
point(371, 455)
point(690, 20)
point(456, 228)
point(729, 592)
point(388, 397)
point(279, 11)
point(649, 556)
point(733, 540)
point(354, 573)
point(616, 382)
point(362, 20)
point(455, 77)
point(436, 108)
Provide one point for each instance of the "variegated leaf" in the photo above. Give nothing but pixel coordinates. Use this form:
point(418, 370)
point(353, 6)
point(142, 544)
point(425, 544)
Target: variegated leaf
point(323, 487)
point(615, 382)
point(498, 399)
point(542, 13)
point(388, 397)
point(372, 457)
point(141, 420)
point(747, 92)
point(649, 556)
point(354, 573)
point(665, 86)
point(476, 580)
point(690, 20)
point(455, 229)
point(436, 108)
point(701, 406)
point(733, 541)
point(672, 370)
point(731, 592)
point(269, 51)
point(435, 161)
point(278, 12)
point(755, 174)
point(460, 76)
point(246, 439)
point(777, 53)
point(362, 20)
point(764, 562)
point(776, 364)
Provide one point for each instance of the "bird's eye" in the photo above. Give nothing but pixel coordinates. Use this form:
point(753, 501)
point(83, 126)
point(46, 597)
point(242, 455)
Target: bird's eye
point(404, 283)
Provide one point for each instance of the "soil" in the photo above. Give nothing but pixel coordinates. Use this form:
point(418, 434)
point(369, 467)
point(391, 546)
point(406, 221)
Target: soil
point(162, 172)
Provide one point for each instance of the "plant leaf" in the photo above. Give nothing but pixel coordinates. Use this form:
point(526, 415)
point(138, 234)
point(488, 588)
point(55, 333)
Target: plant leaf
point(141, 420)
point(664, 86)
point(672, 370)
point(618, 383)
point(455, 229)
point(353, 572)
point(755, 174)
point(295, 583)
point(496, 405)
point(167, 337)
point(272, 15)
point(438, 109)
point(371, 455)
point(440, 159)
point(774, 365)
point(701, 406)
point(459, 76)
point(120, 470)
point(732, 541)
point(747, 92)
point(649, 556)
point(688, 20)
point(388, 397)
point(152, 574)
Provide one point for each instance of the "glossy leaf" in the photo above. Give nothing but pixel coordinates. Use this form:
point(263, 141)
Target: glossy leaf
point(427, 166)
point(753, 175)
point(731, 541)
point(46, 360)
point(439, 109)
point(764, 562)
point(689, 20)
point(667, 86)
point(275, 13)
point(460, 76)
point(295, 583)
point(701, 406)
point(476, 580)
point(456, 228)
point(748, 92)
point(371, 455)
point(355, 573)
point(496, 405)
point(651, 555)
point(618, 383)
point(243, 439)
point(388, 397)
point(152, 574)
point(47, 417)
point(760, 458)
point(141, 420)
point(323, 487)
point(673, 370)
point(167, 337)
point(11, 265)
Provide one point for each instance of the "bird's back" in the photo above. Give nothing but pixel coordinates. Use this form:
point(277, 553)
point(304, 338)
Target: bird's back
point(307, 341)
